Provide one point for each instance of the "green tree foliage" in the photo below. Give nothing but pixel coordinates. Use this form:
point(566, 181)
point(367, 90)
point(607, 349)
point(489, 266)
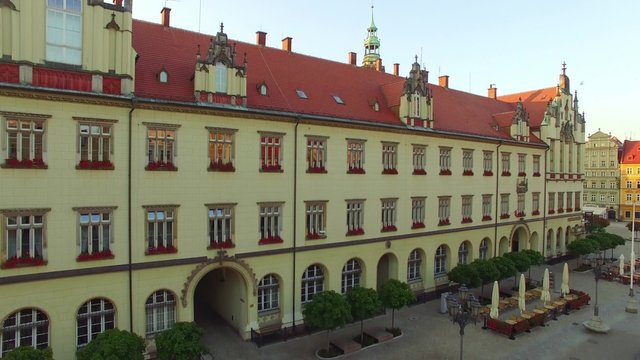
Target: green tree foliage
point(487, 271)
point(113, 344)
point(520, 260)
point(395, 294)
point(327, 311)
point(29, 353)
point(364, 304)
point(582, 247)
point(596, 224)
point(505, 266)
point(535, 258)
point(465, 274)
point(181, 342)
point(637, 226)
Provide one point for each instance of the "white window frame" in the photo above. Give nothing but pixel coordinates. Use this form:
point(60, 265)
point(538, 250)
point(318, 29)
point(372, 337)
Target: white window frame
point(535, 202)
point(414, 265)
point(467, 207)
point(467, 161)
point(419, 159)
point(355, 216)
point(221, 78)
point(270, 226)
point(463, 253)
point(161, 228)
point(95, 141)
point(315, 220)
point(268, 294)
point(351, 275)
point(221, 149)
point(70, 43)
point(312, 283)
point(487, 200)
point(440, 261)
point(418, 212)
point(487, 162)
point(271, 147)
point(536, 165)
point(220, 224)
point(316, 154)
point(504, 205)
point(389, 158)
point(506, 163)
point(484, 249)
point(17, 224)
point(355, 155)
point(25, 137)
point(521, 205)
point(161, 145)
point(388, 214)
point(522, 164)
point(25, 333)
point(444, 210)
point(560, 201)
point(445, 160)
point(97, 317)
point(160, 312)
point(95, 230)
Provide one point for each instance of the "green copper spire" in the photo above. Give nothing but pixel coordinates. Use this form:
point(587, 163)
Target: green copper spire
point(371, 45)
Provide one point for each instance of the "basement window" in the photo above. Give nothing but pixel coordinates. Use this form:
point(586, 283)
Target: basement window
point(338, 99)
point(301, 94)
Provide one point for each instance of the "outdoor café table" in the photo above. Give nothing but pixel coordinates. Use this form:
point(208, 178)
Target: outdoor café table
point(526, 316)
point(538, 311)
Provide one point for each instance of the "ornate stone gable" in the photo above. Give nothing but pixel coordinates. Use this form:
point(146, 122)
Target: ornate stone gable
point(416, 103)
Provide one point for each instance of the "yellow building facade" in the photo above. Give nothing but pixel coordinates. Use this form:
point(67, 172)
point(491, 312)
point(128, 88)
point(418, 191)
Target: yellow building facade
point(630, 180)
point(140, 190)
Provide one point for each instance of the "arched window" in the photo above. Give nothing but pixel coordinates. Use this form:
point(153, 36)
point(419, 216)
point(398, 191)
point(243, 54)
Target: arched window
point(463, 253)
point(440, 264)
point(413, 266)
point(27, 327)
point(312, 283)
point(351, 275)
point(160, 310)
point(268, 293)
point(94, 317)
point(484, 249)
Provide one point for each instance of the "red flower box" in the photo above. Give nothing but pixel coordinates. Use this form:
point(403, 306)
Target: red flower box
point(560, 211)
point(486, 218)
point(552, 212)
point(314, 236)
point(98, 255)
point(535, 212)
point(519, 213)
point(160, 166)
point(504, 216)
point(390, 171)
point(552, 176)
point(353, 232)
point(536, 174)
point(487, 173)
point(355, 171)
point(561, 176)
point(569, 210)
point(220, 166)
point(271, 168)
point(522, 173)
point(444, 222)
point(445, 172)
point(227, 244)
point(25, 164)
point(389, 228)
point(577, 209)
point(419, 172)
point(162, 250)
point(418, 225)
point(16, 262)
point(466, 220)
point(317, 170)
point(270, 240)
point(94, 165)
point(467, 173)
point(506, 173)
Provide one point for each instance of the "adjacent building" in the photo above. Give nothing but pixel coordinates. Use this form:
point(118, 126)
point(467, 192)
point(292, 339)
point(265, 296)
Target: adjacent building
point(602, 174)
point(630, 180)
point(152, 174)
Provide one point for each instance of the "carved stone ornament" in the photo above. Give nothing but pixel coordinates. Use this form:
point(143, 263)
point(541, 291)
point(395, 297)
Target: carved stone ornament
point(417, 81)
point(521, 114)
point(220, 51)
point(7, 3)
point(522, 186)
point(566, 132)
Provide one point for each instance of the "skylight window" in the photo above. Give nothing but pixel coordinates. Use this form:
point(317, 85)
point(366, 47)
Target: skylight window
point(262, 89)
point(301, 94)
point(163, 76)
point(338, 99)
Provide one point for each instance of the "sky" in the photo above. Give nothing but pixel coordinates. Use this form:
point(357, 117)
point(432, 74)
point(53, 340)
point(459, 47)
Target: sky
point(516, 45)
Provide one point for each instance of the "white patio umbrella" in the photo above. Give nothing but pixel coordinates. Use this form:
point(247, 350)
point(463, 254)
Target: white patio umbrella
point(521, 289)
point(495, 299)
point(545, 295)
point(621, 264)
point(564, 288)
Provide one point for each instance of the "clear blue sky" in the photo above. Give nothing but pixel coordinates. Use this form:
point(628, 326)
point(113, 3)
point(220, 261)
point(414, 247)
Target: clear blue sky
point(517, 45)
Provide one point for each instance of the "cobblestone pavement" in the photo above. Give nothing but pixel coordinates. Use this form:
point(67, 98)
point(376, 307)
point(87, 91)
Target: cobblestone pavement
point(427, 334)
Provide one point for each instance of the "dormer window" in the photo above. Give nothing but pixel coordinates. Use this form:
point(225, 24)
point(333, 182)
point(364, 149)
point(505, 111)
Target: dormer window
point(376, 106)
point(221, 78)
point(262, 89)
point(163, 77)
point(338, 99)
point(64, 31)
point(416, 104)
point(301, 94)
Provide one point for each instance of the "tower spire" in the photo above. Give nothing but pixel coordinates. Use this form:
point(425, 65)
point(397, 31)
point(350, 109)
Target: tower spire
point(371, 45)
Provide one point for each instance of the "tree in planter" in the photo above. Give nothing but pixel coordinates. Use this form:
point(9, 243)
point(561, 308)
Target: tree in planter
point(597, 223)
point(637, 226)
point(521, 262)
point(487, 271)
point(29, 353)
point(181, 342)
point(581, 247)
point(364, 304)
point(465, 274)
point(113, 344)
point(395, 294)
point(327, 311)
point(505, 266)
point(615, 240)
point(535, 259)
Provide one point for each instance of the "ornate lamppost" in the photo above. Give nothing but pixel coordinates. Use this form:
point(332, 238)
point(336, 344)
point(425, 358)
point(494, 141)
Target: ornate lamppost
point(596, 324)
point(463, 310)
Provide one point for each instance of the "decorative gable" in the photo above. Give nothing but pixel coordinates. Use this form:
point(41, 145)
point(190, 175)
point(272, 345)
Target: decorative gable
point(520, 124)
point(416, 103)
point(217, 78)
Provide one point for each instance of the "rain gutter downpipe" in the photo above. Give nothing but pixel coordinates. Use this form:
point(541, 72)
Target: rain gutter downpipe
point(495, 226)
point(129, 231)
point(544, 207)
point(295, 211)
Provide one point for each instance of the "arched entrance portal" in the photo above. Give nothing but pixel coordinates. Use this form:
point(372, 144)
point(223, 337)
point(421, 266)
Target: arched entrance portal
point(519, 239)
point(387, 269)
point(221, 296)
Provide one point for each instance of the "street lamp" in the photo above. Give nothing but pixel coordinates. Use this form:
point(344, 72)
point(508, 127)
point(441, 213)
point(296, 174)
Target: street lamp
point(596, 324)
point(632, 305)
point(463, 310)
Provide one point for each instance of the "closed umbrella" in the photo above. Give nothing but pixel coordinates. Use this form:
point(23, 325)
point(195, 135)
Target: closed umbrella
point(621, 264)
point(564, 288)
point(495, 300)
point(521, 290)
point(545, 296)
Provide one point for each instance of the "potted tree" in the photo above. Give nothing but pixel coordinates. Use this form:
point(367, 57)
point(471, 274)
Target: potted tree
point(395, 294)
point(327, 311)
point(364, 305)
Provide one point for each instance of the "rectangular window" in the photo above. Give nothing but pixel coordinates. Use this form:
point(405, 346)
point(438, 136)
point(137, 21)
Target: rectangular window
point(552, 202)
point(388, 214)
point(520, 206)
point(612, 199)
point(522, 165)
point(467, 162)
point(316, 220)
point(64, 31)
point(629, 184)
point(444, 210)
point(629, 197)
point(220, 226)
point(445, 161)
point(535, 203)
point(584, 197)
point(506, 164)
point(487, 163)
point(161, 230)
point(95, 233)
point(602, 198)
point(486, 207)
point(355, 156)
point(221, 149)
point(413, 266)
point(355, 217)
point(417, 213)
point(271, 152)
point(270, 223)
point(96, 145)
point(612, 185)
point(467, 206)
point(629, 171)
point(316, 154)
point(570, 201)
point(389, 158)
point(560, 202)
point(25, 142)
point(419, 160)
point(593, 197)
point(504, 206)
point(161, 150)
point(536, 165)
point(24, 238)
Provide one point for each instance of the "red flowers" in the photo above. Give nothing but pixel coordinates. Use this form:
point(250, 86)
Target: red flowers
point(97, 255)
point(487, 173)
point(355, 170)
point(160, 166)
point(221, 245)
point(522, 173)
point(390, 171)
point(419, 172)
point(504, 216)
point(444, 222)
point(467, 173)
point(352, 232)
point(271, 168)
point(486, 218)
point(466, 220)
point(535, 212)
point(15, 262)
point(317, 170)
point(36, 163)
point(506, 173)
point(220, 166)
point(161, 249)
point(389, 228)
point(519, 213)
point(536, 174)
point(95, 165)
point(445, 171)
point(418, 225)
point(270, 240)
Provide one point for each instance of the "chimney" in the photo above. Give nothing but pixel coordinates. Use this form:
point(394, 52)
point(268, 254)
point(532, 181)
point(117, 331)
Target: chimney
point(353, 58)
point(166, 16)
point(443, 81)
point(261, 38)
point(378, 64)
point(286, 44)
point(493, 92)
point(396, 69)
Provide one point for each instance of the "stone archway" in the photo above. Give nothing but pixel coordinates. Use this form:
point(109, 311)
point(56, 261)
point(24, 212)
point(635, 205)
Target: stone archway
point(534, 242)
point(519, 237)
point(503, 246)
point(387, 269)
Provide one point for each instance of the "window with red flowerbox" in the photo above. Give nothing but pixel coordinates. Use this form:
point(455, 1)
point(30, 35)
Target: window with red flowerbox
point(161, 147)
point(221, 226)
point(25, 243)
point(316, 154)
point(270, 231)
point(355, 217)
point(316, 219)
point(25, 140)
point(355, 156)
point(419, 160)
point(417, 212)
point(95, 233)
point(161, 229)
point(95, 144)
point(221, 149)
point(389, 214)
point(271, 152)
point(389, 158)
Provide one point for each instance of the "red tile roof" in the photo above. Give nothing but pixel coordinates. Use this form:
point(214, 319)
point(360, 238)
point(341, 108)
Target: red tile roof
point(284, 72)
point(534, 101)
point(630, 152)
